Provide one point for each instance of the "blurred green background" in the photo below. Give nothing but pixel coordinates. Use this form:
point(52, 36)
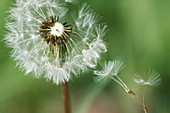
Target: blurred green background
point(139, 35)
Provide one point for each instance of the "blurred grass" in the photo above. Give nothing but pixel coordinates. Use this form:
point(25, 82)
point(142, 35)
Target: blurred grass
point(139, 35)
point(89, 96)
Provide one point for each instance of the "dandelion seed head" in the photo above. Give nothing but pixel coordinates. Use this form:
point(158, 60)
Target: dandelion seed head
point(47, 40)
point(152, 78)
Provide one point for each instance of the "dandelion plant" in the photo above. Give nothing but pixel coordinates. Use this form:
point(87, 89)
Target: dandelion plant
point(54, 41)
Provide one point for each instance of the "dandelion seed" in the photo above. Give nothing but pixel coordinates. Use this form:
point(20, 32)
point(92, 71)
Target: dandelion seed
point(152, 78)
point(111, 69)
point(118, 66)
point(106, 69)
point(145, 109)
point(47, 40)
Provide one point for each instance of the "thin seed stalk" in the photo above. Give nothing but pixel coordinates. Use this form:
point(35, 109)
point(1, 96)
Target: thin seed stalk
point(66, 98)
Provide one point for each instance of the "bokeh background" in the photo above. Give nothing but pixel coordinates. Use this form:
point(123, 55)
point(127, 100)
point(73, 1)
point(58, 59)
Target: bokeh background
point(139, 35)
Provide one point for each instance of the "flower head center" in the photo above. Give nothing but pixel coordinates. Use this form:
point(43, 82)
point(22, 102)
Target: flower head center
point(57, 29)
point(54, 32)
point(57, 36)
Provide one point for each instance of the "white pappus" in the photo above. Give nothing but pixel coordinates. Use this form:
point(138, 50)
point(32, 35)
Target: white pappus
point(51, 39)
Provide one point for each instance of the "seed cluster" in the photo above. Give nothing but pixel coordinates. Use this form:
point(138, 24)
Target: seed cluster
point(45, 31)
